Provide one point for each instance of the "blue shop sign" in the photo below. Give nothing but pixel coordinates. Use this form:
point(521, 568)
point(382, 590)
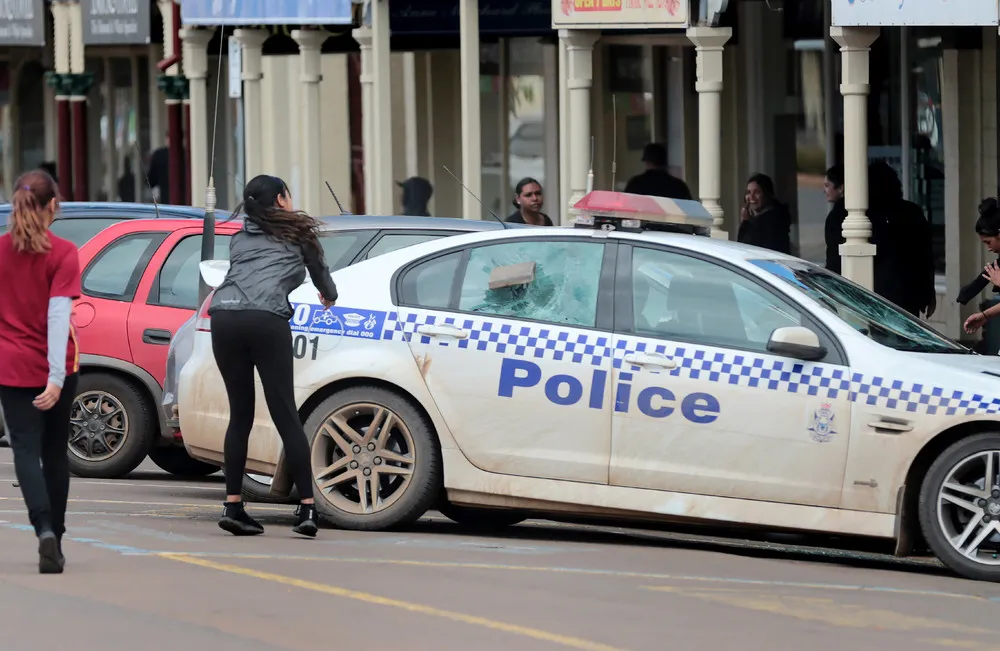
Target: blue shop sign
point(266, 12)
point(496, 17)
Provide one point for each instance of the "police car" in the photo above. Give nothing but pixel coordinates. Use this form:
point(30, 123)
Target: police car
point(614, 369)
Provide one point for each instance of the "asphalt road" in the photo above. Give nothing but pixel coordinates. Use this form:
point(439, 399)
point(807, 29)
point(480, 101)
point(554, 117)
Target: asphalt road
point(147, 568)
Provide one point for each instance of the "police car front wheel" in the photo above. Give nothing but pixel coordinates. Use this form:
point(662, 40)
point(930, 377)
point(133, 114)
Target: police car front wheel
point(376, 461)
point(960, 507)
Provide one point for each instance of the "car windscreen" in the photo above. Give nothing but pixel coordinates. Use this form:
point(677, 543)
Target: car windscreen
point(870, 314)
point(78, 230)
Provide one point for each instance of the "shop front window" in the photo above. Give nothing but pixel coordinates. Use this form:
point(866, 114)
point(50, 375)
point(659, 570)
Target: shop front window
point(628, 108)
point(514, 133)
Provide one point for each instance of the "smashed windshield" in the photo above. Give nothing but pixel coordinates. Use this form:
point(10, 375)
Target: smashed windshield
point(866, 312)
point(563, 289)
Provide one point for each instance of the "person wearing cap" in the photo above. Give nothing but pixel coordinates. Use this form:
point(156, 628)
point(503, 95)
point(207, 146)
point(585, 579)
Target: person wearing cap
point(656, 181)
point(417, 192)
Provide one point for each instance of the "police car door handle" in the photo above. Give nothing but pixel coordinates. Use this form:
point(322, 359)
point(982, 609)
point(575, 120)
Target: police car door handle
point(442, 331)
point(650, 359)
point(890, 426)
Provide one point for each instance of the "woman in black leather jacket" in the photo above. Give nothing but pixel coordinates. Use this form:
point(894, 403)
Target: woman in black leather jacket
point(988, 230)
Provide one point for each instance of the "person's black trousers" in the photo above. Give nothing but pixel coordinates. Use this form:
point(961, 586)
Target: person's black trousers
point(241, 341)
point(39, 441)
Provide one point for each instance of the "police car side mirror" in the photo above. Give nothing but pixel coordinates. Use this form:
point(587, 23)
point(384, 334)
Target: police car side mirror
point(796, 341)
point(512, 275)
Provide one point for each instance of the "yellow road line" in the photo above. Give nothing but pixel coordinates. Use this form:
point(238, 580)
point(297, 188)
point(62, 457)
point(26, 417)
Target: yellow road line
point(524, 631)
point(599, 572)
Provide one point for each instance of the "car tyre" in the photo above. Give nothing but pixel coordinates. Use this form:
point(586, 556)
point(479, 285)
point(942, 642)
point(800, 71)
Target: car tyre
point(402, 458)
point(257, 491)
point(140, 427)
point(957, 465)
point(482, 519)
point(176, 460)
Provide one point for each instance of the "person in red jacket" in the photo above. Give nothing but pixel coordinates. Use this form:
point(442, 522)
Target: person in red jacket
point(41, 361)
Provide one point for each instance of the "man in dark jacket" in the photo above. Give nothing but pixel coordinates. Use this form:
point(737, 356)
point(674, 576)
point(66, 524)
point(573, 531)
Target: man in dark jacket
point(417, 193)
point(656, 181)
point(904, 257)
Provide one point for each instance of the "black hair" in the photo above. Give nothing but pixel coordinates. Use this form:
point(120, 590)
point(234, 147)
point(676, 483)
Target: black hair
point(519, 188)
point(884, 186)
point(988, 224)
point(655, 153)
point(836, 175)
point(765, 183)
point(260, 207)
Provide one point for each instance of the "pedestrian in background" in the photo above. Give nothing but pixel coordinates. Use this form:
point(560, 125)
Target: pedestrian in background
point(764, 221)
point(39, 373)
point(268, 259)
point(656, 181)
point(988, 230)
point(904, 248)
point(529, 199)
point(833, 189)
point(417, 192)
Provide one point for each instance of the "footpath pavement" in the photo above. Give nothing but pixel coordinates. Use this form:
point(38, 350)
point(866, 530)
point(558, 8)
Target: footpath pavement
point(148, 568)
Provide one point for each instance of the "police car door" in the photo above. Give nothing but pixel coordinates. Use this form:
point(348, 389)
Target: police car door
point(701, 406)
point(513, 341)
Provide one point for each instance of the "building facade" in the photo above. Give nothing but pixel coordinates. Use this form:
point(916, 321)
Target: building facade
point(375, 91)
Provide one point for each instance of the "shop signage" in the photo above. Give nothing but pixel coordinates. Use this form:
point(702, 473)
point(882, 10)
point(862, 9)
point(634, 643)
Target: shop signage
point(620, 14)
point(115, 22)
point(22, 22)
point(917, 13)
point(266, 12)
point(496, 17)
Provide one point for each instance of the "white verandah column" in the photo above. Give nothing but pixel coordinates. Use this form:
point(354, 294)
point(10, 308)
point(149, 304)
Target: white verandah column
point(252, 42)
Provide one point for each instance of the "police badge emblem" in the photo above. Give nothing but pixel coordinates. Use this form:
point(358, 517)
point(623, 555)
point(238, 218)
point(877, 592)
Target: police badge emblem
point(822, 424)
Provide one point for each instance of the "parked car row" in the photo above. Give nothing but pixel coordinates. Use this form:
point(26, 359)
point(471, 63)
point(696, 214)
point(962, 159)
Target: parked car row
point(139, 281)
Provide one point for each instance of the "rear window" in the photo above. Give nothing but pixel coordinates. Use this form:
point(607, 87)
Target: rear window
point(341, 247)
point(78, 230)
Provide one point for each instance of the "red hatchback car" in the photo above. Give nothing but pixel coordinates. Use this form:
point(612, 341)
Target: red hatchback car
point(139, 282)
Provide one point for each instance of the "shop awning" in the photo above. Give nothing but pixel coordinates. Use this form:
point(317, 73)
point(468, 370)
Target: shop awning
point(266, 12)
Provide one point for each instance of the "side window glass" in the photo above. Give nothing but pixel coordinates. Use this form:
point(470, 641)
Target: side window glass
point(395, 241)
point(80, 230)
point(429, 284)
point(340, 247)
point(563, 288)
point(116, 271)
point(177, 284)
point(679, 297)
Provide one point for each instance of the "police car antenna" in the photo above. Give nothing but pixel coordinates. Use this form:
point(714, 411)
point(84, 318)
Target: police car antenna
point(473, 195)
point(138, 158)
point(342, 211)
point(590, 172)
point(614, 151)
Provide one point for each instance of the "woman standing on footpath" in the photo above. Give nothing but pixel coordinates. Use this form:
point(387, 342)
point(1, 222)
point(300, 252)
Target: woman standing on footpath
point(528, 201)
point(38, 376)
point(268, 259)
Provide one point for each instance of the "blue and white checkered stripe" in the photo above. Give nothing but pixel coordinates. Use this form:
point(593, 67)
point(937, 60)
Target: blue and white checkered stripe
point(733, 368)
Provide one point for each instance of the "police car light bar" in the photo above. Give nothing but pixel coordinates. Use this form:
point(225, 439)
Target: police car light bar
point(632, 210)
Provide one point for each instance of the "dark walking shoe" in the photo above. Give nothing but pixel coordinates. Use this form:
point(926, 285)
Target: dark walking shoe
point(238, 522)
point(307, 520)
point(50, 558)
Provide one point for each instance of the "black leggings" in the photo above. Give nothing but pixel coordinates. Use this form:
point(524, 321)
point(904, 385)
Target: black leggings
point(39, 440)
point(242, 340)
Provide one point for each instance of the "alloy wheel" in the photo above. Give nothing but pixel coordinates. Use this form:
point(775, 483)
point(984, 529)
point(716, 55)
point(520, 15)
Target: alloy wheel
point(968, 507)
point(363, 458)
point(98, 426)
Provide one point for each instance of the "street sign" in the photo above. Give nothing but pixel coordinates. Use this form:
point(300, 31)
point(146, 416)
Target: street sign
point(265, 12)
point(22, 22)
point(235, 69)
point(916, 13)
point(115, 22)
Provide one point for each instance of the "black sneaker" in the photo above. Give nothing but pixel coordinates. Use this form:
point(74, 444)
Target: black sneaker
point(50, 558)
point(238, 522)
point(307, 520)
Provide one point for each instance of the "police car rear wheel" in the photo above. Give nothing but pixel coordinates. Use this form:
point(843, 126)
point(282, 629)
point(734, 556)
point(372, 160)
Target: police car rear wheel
point(960, 507)
point(376, 462)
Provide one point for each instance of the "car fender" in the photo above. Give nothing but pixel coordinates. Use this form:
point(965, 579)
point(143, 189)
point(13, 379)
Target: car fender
point(145, 380)
point(390, 362)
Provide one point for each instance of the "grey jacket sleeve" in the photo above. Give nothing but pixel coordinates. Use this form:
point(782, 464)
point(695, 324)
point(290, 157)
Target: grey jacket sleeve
point(60, 309)
point(319, 272)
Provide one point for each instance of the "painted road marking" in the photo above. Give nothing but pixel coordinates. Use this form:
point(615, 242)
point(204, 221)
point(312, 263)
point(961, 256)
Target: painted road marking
point(474, 620)
point(202, 505)
point(218, 488)
point(821, 610)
